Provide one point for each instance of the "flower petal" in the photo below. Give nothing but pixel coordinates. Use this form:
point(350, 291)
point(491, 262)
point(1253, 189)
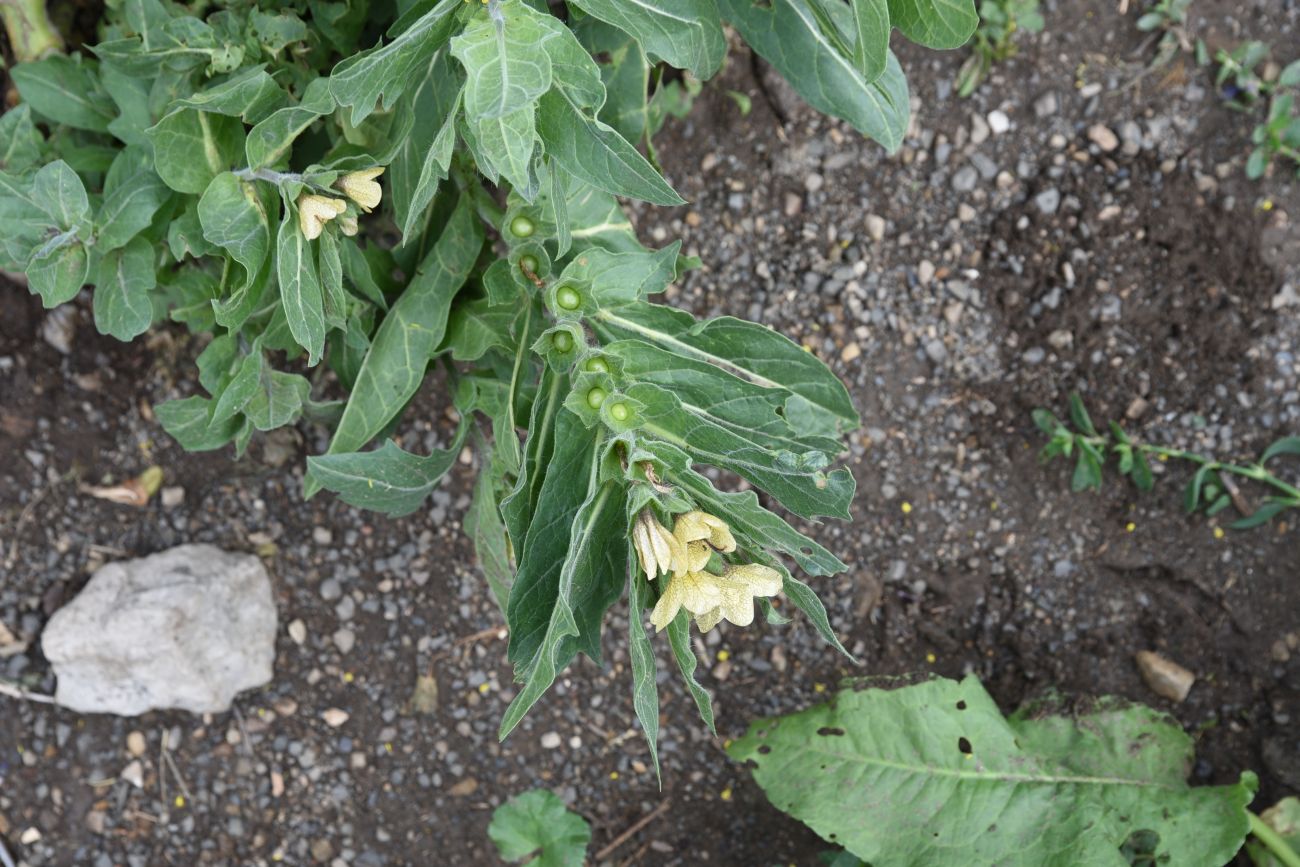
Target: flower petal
point(709, 619)
point(761, 580)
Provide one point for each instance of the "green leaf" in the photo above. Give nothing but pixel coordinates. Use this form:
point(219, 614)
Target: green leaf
point(192, 147)
point(477, 326)
point(409, 335)
point(270, 141)
point(594, 152)
point(1257, 163)
point(235, 395)
point(1079, 415)
point(871, 48)
point(686, 34)
point(20, 141)
point(505, 58)
point(483, 525)
point(935, 23)
point(790, 36)
point(537, 822)
point(59, 275)
point(1265, 513)
point(520, 505)
point(679, 639)
point(744, 349)
point(387, 479)
point(280, 400)
point(506, 145)
point(645, 689)
point(300, 290)
point(911, 775)
point(234, 218)
point(796, 480)
point(384, 72)
point(423, 158)
point(1087, 468)
point(571, 569)
point(123, 282)
point(188, 422)
point(129, 209)
point(58, 191)
point(252, 95)
point(66, 91)
point(1283, 446)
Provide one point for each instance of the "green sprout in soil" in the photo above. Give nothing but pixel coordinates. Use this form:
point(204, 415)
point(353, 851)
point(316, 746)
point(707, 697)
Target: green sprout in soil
point(1244, 86)
point(1169, 19)
point(1211, 488)
point(994, 39)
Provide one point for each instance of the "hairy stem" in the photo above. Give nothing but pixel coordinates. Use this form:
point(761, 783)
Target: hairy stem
point(31, 35)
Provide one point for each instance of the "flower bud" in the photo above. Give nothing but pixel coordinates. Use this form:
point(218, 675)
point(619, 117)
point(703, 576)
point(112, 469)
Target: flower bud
point(658, 550)
point(362, 188)
point(315, 211)
point(348, 225)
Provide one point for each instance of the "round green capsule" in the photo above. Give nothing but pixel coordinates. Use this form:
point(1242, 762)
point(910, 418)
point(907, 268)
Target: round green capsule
point(522, 227)
point(562, 341)
point(528, 263)
point(620, 412)
point(568, 298)
point(596, 397)
point(596, 364)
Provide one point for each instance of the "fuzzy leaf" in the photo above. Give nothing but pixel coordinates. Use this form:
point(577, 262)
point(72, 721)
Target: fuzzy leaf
point(935, 23)
point(65, 91)
point(300, 290)
point(122, 285)
point(686, 34)
point(387, 479)
point(537, 822)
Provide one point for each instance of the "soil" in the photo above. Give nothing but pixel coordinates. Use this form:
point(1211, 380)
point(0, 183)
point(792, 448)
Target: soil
point(1156, 285)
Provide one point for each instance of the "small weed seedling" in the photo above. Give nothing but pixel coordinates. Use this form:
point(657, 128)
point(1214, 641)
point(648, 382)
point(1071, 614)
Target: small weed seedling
point(1244, 87)
point(1169, 19)
point(1211, 488)
point(994, 39)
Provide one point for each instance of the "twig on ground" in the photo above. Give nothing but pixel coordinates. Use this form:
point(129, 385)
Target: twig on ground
point(635, 827)
point(13, 690)
point(5, 858)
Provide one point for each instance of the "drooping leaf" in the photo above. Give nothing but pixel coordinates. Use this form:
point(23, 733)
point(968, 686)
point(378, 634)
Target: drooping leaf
point(909, 776)
point(935, 23)
point(686, 34)
point(790, 35)
point(387, 479)
point(300, 291)
point(409, 335)
point(645, 690)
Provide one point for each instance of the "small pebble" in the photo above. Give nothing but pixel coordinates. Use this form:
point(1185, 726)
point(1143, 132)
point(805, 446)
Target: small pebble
point(335, 717)
point(551, 741)
point(1166, 679)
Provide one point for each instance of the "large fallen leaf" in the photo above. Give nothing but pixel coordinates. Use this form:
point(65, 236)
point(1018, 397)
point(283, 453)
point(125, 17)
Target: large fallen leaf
point(934, 774)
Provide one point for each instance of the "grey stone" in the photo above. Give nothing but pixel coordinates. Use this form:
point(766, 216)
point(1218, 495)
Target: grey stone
point(965, 179)
point(1046, 105)
point(1048, 200)
point(185, 628)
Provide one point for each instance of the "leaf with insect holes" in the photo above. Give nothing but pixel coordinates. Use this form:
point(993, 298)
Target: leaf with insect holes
point(904, 777)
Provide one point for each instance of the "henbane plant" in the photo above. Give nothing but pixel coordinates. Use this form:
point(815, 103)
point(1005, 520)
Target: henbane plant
point(338, 196)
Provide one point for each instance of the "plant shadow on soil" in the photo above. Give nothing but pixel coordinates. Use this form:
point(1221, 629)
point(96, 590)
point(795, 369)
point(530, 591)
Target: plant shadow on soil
point(994, 569)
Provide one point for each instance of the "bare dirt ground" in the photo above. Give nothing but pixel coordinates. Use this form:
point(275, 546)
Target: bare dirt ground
point(976, 275)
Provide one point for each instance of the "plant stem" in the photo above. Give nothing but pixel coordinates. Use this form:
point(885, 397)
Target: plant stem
point(1273, 841)
point(269, 175)
point(31, 35)
point(1253, 471)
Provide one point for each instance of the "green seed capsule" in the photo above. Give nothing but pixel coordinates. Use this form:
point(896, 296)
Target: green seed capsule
point(568, 298)
point(620, 412)
point(562, 341)
point(522, 226)
point(596, 397)
point(596, 364)
point(528, 263)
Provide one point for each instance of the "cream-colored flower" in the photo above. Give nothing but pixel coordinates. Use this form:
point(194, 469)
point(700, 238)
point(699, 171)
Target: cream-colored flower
point(315, 211)
point(740, 586)
point(694, 526)
point(657, 548)
point(697, 592)
point(362, 188)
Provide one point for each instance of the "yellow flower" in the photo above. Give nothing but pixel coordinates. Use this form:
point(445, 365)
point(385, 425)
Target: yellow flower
point(657, 548)
point(694, 526)
point(740, 586)
point(315, 211)
point(362, 188)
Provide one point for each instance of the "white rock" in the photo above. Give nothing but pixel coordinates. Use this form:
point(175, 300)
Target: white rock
point(298, 631)
point(334, 717)
point(134, 774)
point(999, 122)
point(186, 628)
